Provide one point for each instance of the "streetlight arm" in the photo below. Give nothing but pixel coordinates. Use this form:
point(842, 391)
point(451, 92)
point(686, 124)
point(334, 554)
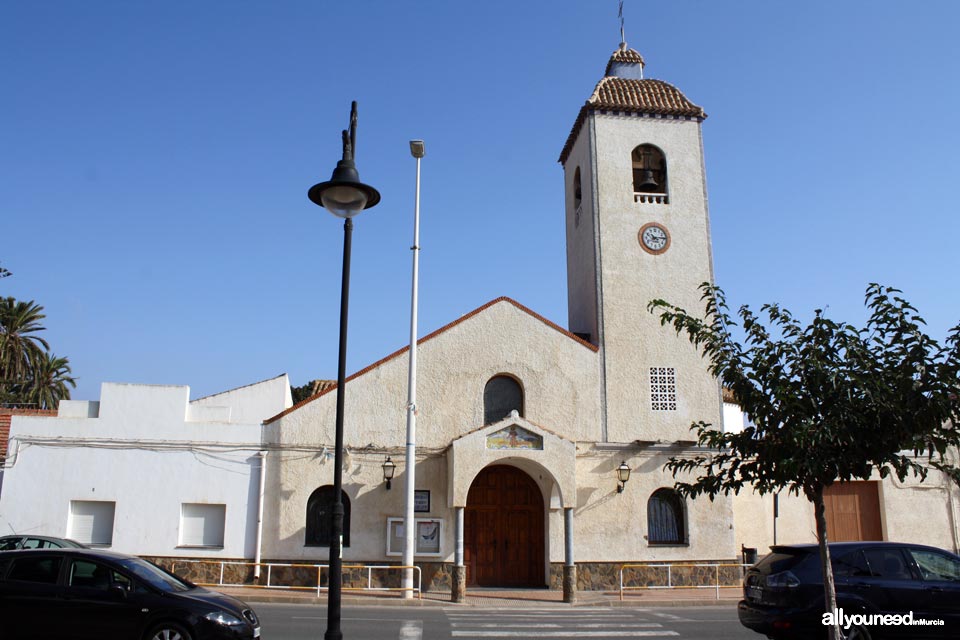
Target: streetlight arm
point(353, 129)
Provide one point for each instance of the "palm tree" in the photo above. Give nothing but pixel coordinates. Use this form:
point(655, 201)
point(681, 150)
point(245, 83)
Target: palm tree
point(48, 384)
point(19, 344)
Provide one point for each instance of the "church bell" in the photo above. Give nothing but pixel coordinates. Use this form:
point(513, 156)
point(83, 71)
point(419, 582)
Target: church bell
point(647, 182)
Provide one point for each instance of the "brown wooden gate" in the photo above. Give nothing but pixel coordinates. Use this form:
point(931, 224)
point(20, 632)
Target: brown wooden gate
point(503, 529)
point(853, 511)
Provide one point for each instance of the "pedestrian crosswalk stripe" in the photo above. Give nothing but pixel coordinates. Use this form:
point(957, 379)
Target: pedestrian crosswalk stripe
point(538, 616)
point(411, 630)
point(660, 633)
point(546, 625)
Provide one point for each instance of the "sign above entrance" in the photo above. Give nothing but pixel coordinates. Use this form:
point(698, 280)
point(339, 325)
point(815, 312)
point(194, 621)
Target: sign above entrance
point(514, 437)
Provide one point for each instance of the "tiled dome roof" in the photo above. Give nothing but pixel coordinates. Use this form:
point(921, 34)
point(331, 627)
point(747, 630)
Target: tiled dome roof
point(625, 55)
point(642, 96)
point(623, 89)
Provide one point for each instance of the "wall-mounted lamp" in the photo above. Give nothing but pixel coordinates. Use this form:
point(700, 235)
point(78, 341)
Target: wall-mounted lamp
point(389, 467)
point(623, 474)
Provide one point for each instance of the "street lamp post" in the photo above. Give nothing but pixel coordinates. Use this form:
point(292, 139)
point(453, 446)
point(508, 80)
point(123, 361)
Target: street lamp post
point(344, 196)
point(409, 539)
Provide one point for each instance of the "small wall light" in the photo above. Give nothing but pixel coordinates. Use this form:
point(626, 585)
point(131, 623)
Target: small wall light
point(623, 474)
point(389, 467)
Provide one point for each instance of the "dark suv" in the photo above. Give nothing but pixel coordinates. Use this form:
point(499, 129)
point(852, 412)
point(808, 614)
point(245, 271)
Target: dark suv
point(783, 593)
point(89, 594)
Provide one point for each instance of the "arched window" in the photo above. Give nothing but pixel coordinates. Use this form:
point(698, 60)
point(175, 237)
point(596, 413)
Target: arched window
point(577, 190)
point(319, 523)
point(665, 521)
point(577, 197)
point(649, 170)
point(501, 396)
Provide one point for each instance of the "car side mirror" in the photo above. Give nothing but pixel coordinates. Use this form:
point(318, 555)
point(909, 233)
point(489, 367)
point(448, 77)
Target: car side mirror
point(119, 591)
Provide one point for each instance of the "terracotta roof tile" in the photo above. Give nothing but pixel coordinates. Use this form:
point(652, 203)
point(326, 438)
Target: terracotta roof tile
point(624, 55)
point(642, 96)
point(627, 95)
point(632, 95)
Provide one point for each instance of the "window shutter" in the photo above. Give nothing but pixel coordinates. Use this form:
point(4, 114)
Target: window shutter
point(91, 522)
point(202, 525)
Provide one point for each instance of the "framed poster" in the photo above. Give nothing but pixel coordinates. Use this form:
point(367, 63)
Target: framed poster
point(421, 501)
point(428, 538)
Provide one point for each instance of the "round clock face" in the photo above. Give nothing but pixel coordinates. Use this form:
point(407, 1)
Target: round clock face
point(654, 238)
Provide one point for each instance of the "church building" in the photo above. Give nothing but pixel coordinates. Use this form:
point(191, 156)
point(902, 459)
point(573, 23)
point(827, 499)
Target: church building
point(523, 425)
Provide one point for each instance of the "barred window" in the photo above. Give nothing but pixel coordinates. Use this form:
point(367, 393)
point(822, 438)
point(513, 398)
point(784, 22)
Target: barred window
point(663, 389)
point(665, 521)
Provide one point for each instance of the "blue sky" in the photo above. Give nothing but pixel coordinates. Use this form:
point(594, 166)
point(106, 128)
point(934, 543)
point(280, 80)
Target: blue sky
point(155, 159)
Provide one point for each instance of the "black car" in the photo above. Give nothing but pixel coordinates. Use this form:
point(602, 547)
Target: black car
point(9, 543)
point(87, 594)
point(783, 593)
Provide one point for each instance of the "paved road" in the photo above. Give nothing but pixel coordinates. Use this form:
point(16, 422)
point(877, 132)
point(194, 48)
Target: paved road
point(299, 622)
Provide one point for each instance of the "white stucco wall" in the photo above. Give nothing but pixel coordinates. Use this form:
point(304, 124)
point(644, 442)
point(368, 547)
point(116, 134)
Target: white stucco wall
point(612, 527)
point(138, 448)
point(581, 232)
point(633, 339)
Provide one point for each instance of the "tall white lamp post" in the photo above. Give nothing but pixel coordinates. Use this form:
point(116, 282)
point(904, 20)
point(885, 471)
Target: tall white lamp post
point(409, 529)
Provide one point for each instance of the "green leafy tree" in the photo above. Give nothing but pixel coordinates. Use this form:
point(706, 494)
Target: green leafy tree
point(48, 383)
point(20, 346)
point(301, 393)
point(310, 389)
point(29, 372)
point(826, 402)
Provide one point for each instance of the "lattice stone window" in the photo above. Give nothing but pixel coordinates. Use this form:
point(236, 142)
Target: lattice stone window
point(663, 389)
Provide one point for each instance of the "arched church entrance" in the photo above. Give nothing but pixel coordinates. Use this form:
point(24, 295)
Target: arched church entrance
point(504, 529)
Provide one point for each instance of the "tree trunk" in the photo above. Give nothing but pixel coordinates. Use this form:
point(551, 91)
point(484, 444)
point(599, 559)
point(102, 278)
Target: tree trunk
point(829, 592)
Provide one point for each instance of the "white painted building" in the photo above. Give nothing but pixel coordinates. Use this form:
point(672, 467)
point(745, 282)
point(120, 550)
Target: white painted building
point(522, 424)
point(144, 470)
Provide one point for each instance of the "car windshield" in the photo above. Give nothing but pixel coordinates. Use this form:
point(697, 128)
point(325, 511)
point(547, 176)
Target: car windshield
point(7, 544)
point(155, 576)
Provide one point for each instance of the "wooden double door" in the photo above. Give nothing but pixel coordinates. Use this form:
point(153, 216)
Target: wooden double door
point(853, 511)
point(504, 529)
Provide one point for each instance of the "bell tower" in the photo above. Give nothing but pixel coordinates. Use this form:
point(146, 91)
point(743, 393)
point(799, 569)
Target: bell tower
point(638, 229)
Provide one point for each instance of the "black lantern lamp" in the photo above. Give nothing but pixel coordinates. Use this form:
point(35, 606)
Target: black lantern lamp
point(389, 468)
point(344, 196)
point(623, 474)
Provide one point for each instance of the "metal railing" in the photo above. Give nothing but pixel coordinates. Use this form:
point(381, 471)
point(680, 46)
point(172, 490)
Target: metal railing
point(666, 570)
point(417, 588)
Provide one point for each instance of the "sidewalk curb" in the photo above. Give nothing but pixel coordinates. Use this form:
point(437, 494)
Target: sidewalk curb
point(587, 599)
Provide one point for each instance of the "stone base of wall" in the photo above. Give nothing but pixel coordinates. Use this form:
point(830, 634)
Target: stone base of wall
point(435, 576)
point(605, 576)
point(439, 576)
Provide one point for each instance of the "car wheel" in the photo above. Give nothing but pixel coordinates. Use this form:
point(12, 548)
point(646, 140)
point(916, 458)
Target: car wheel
point(857, 633)
point(168, 631)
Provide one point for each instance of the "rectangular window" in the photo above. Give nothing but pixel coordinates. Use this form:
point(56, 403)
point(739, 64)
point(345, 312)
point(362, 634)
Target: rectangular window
point(91, 522)
point(663, 389)
point(202, 525)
